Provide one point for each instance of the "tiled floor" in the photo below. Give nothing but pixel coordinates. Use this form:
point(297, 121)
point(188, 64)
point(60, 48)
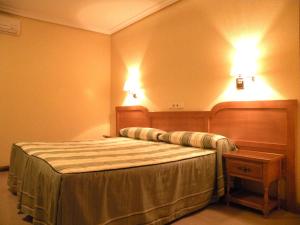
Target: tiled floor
point(217, 214)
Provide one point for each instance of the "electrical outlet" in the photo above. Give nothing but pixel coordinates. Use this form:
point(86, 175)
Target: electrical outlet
point(176, 105)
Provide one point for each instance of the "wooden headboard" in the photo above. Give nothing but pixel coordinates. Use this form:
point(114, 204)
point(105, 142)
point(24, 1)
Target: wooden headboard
point(267, 126)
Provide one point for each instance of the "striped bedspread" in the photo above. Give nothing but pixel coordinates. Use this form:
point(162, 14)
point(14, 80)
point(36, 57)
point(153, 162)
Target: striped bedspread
point(108, 154)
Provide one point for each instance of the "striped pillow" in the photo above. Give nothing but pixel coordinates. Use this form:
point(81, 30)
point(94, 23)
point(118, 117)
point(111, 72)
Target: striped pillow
point(143, 133)
point(195, 139)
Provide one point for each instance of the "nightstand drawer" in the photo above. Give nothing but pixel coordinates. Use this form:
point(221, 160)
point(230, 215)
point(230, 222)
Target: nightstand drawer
point(248, 169)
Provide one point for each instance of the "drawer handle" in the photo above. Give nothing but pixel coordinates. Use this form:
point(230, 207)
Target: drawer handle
point(244, 169)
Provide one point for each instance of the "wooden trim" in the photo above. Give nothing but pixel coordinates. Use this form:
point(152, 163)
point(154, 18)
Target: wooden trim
point(159, 5)
point(4, 168)
point(155, 8)
point(263, 145)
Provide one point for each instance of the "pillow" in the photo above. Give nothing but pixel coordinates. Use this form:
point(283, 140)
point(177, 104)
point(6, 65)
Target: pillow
point(195, 139)
point(143, 133)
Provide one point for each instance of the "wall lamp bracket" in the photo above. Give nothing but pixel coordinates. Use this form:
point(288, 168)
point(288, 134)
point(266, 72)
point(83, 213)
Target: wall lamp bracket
point(240, 81)
point(132, 93)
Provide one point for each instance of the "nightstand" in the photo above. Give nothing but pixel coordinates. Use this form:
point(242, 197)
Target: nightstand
point(257, 166)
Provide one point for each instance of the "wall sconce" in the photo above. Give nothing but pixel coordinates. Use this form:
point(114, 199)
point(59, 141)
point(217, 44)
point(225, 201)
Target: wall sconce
point(129, 91)
point(240, 81)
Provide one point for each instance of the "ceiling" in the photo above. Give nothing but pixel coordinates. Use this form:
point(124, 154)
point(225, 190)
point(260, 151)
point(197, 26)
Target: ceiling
point(103, 16)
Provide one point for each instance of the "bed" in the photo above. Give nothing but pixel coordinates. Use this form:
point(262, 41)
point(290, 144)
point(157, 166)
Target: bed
point(54, 191)
point(113, 181)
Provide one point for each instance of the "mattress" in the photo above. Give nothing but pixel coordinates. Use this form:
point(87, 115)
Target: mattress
point(107, 154)
point(113, 181)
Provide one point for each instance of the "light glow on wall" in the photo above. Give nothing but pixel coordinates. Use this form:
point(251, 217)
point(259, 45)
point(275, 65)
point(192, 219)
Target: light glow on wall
point(246, 56)
point(132, 84)
point(258, 90)
point(243, 27)
point(247, 62)
point(135, 94)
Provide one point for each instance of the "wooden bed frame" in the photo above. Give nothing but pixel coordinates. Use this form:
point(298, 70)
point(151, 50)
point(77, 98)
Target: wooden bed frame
point(267, 126)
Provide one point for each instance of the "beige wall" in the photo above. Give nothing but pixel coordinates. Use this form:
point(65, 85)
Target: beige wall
point(184, 54)
point(54, 85)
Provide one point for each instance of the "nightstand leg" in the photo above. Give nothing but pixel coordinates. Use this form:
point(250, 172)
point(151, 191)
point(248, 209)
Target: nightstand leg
point(228, 190)
point(278, 195)
point(278, 186)
point(266, 200)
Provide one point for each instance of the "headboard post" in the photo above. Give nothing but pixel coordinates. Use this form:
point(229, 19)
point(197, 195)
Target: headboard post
point(131, 116)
